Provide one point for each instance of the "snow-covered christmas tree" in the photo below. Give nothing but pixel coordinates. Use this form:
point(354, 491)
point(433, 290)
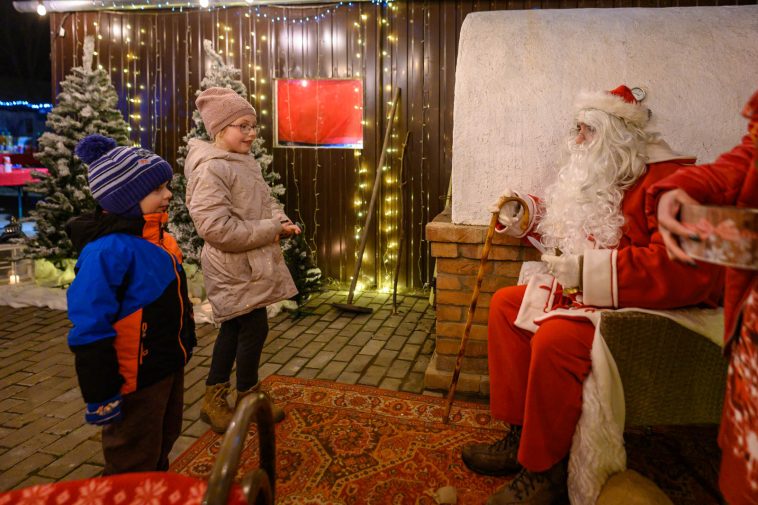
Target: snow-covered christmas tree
point(86, 104)
point(297, 254)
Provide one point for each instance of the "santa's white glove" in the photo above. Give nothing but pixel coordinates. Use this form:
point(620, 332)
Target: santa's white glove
point(509, 216)
point(567, 269)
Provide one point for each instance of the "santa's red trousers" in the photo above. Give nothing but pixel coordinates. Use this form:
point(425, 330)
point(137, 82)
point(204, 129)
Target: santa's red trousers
point(536, 378)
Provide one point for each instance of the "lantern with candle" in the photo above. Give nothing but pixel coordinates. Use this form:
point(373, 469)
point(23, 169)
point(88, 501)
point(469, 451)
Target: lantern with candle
point(14, 267)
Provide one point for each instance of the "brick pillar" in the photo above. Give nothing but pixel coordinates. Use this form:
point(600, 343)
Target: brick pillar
point(458, 251)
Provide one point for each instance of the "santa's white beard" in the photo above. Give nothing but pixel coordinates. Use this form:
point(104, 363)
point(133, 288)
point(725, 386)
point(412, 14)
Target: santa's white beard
point(582, 208)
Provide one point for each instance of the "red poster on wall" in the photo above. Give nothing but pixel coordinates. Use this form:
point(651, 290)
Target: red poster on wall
point(319, 113)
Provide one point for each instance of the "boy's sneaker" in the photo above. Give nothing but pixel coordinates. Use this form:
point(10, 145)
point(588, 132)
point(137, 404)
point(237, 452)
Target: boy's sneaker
point(216, 410)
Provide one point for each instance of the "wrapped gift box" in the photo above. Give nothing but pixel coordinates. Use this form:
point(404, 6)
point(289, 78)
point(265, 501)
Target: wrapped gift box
point(726, 235)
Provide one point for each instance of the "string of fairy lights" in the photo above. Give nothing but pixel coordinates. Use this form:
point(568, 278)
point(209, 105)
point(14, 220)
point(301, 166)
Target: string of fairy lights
point(389, 214)
point(42, 108)
point(361, 169)
point(262, 23)
point(181, 6)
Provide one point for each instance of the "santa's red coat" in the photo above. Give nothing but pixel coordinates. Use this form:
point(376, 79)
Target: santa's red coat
point(639, 273)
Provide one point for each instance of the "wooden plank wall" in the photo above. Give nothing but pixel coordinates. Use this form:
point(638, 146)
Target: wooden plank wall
point(156, 62)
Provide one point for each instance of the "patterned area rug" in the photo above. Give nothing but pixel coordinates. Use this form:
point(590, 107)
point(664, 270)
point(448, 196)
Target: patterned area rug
point(343, 444)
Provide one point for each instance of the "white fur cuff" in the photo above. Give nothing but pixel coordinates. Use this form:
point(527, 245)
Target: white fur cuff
point(600, 278)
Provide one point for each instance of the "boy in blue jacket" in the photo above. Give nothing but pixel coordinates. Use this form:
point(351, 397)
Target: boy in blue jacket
point(133, 330)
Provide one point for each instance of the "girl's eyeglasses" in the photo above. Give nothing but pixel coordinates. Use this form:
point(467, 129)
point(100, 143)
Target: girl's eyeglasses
point(245, 129)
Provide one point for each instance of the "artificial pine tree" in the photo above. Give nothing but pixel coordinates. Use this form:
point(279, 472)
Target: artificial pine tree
point(86, 105)
point(297, 254)
point(302, 267)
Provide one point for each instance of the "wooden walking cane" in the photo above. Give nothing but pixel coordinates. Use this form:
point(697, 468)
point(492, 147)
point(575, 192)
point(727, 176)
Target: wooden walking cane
point(475, 295)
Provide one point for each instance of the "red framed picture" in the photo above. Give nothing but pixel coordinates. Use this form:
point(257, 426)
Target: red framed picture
point(323, 113)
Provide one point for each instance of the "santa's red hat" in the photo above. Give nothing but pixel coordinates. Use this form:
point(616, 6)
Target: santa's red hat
point(619, 102)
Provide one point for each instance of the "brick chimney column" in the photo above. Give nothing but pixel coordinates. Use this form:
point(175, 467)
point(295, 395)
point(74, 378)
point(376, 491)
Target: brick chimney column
point(458, 251)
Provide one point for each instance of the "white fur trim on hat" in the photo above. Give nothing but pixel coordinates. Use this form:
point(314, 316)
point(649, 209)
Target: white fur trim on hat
point(614, 105)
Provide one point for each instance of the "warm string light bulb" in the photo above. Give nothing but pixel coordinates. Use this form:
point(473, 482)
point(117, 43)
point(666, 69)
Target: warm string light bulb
point(204, 4)
point(41, 10)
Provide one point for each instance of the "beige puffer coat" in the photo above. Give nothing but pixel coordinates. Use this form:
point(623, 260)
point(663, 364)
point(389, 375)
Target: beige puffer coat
point(235, 213)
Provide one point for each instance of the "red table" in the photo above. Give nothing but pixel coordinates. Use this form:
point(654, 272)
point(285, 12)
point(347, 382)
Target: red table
point(18, 178)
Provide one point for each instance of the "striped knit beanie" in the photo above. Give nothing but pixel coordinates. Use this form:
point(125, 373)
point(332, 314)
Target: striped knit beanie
point(120, 177)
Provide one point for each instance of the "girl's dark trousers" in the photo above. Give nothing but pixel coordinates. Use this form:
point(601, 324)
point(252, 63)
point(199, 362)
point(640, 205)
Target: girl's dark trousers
point(239, 339)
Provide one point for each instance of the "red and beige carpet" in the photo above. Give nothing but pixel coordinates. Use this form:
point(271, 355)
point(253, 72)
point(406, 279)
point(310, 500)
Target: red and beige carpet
point(345, 444)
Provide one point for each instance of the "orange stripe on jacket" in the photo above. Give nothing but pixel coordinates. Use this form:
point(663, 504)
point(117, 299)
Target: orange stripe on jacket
point(128, 348)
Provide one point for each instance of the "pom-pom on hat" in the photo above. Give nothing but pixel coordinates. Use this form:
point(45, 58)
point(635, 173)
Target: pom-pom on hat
point(120, 177)
point(619, 102)
point(219, 107)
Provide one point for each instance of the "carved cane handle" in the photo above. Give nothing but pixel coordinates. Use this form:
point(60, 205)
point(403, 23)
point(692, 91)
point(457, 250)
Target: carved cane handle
point(524, 221)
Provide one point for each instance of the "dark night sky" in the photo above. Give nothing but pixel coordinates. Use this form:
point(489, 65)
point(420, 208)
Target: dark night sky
point(24, 55)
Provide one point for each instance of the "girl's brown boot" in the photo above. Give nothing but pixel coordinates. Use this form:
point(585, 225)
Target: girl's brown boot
point(216, 410)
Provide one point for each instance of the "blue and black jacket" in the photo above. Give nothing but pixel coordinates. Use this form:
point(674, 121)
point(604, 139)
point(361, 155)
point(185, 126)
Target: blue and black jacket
point(131, 315)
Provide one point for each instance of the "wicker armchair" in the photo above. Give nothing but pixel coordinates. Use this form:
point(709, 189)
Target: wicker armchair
point(670, 374)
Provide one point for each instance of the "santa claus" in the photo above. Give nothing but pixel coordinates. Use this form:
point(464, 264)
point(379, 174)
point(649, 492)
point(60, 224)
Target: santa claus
point(601, 250)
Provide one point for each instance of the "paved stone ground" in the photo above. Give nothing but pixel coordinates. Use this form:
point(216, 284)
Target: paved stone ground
point(43, 437)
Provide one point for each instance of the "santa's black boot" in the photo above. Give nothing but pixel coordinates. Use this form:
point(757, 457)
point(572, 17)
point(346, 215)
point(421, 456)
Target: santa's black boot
point(494, 459)
point(534, 488)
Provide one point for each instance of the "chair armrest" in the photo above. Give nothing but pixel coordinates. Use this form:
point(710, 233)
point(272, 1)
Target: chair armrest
point(671, 375)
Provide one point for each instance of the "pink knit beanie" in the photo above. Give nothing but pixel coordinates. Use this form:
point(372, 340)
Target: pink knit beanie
point(219, 107)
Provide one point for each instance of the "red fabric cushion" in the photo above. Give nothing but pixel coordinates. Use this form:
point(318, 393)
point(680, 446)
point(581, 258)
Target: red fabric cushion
point(154, 488)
